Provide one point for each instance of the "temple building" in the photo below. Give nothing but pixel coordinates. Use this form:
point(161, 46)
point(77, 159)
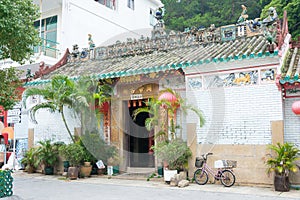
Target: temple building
point(242, 76)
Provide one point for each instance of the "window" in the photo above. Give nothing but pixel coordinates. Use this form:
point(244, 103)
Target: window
point(48, 34)
point(108, 3)
point(130, 4)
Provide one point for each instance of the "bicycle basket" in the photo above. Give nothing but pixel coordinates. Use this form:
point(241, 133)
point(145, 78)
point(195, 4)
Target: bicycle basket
point(225, 164)
point(199, 162)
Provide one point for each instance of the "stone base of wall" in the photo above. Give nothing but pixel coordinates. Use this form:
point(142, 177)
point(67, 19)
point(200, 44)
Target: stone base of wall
point(251, 168)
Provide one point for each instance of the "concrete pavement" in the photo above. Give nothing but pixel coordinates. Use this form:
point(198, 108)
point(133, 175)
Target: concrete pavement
point(139, 181)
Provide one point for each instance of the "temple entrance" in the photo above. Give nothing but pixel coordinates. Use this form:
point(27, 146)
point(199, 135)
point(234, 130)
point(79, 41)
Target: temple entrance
point(138, 139)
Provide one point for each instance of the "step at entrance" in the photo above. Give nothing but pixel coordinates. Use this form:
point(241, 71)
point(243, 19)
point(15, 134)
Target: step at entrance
point(139, 171)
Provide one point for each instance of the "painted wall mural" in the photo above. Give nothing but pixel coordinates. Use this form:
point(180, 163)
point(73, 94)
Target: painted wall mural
point(267, 75)
point(231, 79)
point(252, 77)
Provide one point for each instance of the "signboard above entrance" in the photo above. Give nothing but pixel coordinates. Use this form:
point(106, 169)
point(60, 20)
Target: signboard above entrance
point(136, 96)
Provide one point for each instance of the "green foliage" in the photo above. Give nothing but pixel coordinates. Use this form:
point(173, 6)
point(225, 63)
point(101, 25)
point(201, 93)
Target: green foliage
point(30, 158)
point(168, 147)
point(97, 149)
point(175, 152)
point(202, 13)
point(284, 160)
point(155, 107)
point(74, 153)
point(47, 153)
point(9, 95)
point(17, 33)
point(59, 93)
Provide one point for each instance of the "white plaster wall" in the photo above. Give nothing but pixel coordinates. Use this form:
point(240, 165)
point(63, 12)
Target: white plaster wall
point(81, 18)
point(236, 115)
point(291, 122)
point(49, 125)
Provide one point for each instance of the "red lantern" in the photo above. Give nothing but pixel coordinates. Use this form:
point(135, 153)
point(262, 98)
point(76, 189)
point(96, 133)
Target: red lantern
point(296, 107)
point(168, 96)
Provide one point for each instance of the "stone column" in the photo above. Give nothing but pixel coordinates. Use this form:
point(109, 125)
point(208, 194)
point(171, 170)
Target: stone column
point(30, 138)
point(192, 144)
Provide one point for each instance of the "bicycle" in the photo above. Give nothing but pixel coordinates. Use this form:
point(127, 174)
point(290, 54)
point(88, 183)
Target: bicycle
point(224, 173)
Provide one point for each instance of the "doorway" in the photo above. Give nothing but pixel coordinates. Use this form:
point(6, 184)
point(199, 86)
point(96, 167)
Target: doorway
point(138, 140)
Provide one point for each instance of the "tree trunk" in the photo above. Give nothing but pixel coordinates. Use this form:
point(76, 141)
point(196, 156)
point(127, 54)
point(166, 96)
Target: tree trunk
point(66, 125)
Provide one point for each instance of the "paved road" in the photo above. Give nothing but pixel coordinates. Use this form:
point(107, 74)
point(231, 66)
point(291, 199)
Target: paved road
point(39, 187)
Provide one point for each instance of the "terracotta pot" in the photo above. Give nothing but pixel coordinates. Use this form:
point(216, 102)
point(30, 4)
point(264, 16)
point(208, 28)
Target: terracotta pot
point(85, 171)
point(87, 164)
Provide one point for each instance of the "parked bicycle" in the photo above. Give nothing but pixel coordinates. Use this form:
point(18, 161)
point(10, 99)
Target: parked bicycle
point(224, 171)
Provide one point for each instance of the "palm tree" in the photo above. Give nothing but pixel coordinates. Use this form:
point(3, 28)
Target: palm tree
point(79, 96)
point(92, 93)
point(59, 93)
point(155, 107)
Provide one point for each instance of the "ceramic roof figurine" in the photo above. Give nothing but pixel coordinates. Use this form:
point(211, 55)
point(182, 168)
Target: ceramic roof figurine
point(244, 15)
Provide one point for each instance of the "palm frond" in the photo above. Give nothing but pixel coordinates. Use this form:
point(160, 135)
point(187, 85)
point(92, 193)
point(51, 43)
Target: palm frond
point(46, 105)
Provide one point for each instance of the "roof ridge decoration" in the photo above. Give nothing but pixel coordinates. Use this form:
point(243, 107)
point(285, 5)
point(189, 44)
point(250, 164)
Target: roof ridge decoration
point(163, 40)
point(168, 50)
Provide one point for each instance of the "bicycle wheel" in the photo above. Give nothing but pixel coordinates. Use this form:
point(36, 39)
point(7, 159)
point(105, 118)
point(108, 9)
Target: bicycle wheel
point(200, 176)
point(227, 178)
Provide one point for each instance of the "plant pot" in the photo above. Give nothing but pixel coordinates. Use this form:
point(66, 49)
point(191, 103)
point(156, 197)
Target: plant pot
point(85, 171)
point(66, 164)
point(30, 169)
point(87, 164)
point(168, 174)
point(281, 183)
point(101, 171)
point(116, 169)
point(160, 170)
point(49, 170)
point(73, 173)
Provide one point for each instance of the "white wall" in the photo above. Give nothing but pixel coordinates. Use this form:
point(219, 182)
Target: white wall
point(81, 18)
point(237, 114)
point(291, 122)
point(49, 125)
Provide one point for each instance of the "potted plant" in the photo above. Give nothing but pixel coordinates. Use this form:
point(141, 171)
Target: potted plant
point(88, 158)
point(282, 163)
point(174, 154)
point(169, 147)
point(74, 153)
point(30, 160)
point(47, 155)
point(97, 149)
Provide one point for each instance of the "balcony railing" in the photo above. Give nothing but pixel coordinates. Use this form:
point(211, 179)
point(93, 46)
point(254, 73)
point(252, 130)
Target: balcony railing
point(48, 48)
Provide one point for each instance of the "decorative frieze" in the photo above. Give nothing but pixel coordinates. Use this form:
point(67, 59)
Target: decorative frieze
point(235, 78)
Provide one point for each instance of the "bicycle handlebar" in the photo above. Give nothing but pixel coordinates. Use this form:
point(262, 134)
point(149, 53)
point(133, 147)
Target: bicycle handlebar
point(204, 156)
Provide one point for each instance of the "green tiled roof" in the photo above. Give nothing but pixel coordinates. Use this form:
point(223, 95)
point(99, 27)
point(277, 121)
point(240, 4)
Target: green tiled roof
point(291, 67)
point(182, 56)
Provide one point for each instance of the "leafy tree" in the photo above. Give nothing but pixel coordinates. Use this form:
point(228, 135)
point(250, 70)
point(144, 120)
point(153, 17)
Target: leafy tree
point(9, 82)
point(17, 33)
point(293, 9)
point(202, 13)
